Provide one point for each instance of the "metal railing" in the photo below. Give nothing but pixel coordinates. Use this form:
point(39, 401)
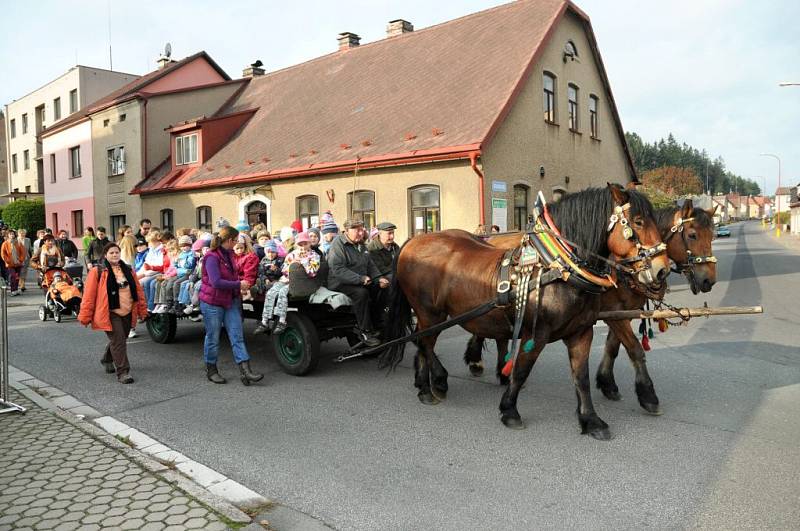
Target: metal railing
point(5, 405)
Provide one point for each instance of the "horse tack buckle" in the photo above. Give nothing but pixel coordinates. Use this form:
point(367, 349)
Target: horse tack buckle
point(503, 286)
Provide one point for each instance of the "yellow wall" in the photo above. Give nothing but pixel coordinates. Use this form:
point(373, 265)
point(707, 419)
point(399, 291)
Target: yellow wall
point(525, 142)
point(458, 197)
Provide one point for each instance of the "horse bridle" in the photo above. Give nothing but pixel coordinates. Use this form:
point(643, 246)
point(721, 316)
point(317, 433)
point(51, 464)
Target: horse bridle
point(643, 261)
point(687, 267)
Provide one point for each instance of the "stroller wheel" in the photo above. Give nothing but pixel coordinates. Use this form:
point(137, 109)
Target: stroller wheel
point(42, 313)
point(57, 316)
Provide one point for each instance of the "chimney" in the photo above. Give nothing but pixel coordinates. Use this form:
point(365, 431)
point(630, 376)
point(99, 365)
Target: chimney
point(253, 70)
point(348, 40)
point(163, 61)
point(398, 27)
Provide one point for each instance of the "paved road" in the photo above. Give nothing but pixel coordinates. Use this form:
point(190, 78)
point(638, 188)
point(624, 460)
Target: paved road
point(356, 449)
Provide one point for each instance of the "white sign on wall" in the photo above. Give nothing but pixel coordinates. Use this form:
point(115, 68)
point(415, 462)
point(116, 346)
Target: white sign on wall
point(500, 213)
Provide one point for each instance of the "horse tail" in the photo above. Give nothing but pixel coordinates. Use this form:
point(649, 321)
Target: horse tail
point(398, 321)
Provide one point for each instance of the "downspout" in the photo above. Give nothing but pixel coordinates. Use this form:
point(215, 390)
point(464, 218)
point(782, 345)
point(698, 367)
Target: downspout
point(473, 162)
point(144, 152)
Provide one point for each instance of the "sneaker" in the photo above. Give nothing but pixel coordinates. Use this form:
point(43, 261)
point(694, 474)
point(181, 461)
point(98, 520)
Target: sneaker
point(132, 334)
point(125, 379)
point(261, 329)
point(279, 328)
point(160, 308)
point(196, 318)
point(189, 310)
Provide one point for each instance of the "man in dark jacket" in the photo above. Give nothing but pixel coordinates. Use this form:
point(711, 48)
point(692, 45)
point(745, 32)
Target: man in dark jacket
point(383, 251)
point(67, 247)
point(352, 272)
point(95, 252)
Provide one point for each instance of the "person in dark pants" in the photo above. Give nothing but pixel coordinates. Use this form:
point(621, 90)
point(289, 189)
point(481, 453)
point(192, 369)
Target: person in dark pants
point(383, 251)
point(352, 272)
point(112, 301)
point(68, 248)
point(94, 255)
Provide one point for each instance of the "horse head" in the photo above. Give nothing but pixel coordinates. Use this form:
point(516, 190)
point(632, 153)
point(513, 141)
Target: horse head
point(633, 238)
point(689, 245)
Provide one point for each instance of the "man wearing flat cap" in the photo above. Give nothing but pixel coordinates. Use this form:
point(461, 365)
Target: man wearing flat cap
point(383, 251)
point(352, 272)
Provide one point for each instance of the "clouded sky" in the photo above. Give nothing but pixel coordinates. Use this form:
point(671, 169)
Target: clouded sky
point(705, 70)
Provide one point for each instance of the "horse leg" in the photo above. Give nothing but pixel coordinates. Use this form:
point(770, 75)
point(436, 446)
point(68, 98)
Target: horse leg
point(645, 391)
point(431, 376)
point(522, 368)
point(422, 378)
point(502, 350)
point(473, 356)
point(579, 346)
point(605, 372)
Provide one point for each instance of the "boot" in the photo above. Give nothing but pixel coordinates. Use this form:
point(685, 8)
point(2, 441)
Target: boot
point(247, 373)
point(213, 374)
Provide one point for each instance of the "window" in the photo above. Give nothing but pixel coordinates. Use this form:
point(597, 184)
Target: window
point(361, 205)
point(256, 213)
point(26, 159)
point(106, 122)
point(122, 117)
point(73, 100)
point(572, 98)
point(52, 167)
point(308, 211)
point(558, 193)
point(116, 160)
point(186, 149)
point(570, 51)
point(24, 123)
point(204, 218)
point(593, 115)
point(424, 209)
point(549, 82)
point(167, 218)
point(14, 163)
point(77, 222)
point(13, 126)
point(520, 207)
point(74, 162)
point(117, 222)
point(57, 109)
point(55, 222)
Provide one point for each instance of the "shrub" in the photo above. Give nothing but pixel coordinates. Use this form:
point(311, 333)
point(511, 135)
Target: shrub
point(784, 218)
point(25, 214)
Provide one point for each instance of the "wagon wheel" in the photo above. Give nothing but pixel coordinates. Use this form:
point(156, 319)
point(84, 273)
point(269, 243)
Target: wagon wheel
point(57, 315)
point(162, 327)
point(297, 348)
point(42, 312)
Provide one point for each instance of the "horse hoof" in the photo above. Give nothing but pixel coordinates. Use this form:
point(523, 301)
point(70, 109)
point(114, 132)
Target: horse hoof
point(475, 369)
point(611, 394)
point(439, 395)
point(602, 434)
point(652, 409)
point(428, 399)
point(515, 423)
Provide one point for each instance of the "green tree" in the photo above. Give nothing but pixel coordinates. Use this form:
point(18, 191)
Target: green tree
point(25, 214)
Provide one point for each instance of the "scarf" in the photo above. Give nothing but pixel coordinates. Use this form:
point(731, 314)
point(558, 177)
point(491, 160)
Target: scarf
point(113, 287)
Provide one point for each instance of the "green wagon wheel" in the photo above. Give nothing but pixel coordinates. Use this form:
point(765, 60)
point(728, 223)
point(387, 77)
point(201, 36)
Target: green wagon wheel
point(162, 327)
point(297, 348)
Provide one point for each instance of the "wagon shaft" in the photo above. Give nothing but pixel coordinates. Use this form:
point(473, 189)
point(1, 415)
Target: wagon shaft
point(618, 315)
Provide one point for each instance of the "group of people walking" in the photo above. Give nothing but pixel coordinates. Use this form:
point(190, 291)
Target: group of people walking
point(153, 272)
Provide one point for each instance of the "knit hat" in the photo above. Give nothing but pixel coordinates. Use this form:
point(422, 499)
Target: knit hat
point(271, 246)
point(199, 244)
point(244, 238)
point(302, 237)
point(328, 224)
point(373, 232)
point(315, 231)
point(297, 226)
point(184, 240)
point(287, 233)
point(206, 236)
point(139, 241)
point(242, 226)
point(222, 222)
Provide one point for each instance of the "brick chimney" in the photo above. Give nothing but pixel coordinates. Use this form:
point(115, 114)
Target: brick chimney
point(163, 61)
point(398, 27)
point(348, 40)
point(253, 70)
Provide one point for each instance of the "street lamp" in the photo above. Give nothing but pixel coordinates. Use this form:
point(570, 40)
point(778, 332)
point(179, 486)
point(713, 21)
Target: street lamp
point(777, 196)
point(788, 84)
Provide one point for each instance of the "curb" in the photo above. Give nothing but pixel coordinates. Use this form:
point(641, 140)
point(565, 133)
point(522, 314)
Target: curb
point(208, 486)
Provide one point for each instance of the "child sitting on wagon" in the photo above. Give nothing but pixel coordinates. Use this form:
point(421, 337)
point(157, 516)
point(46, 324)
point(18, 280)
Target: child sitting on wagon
point(269, 269)
point(277, 301)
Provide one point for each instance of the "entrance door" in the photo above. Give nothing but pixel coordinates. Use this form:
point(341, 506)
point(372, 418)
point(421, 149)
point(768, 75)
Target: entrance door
point(256, 213)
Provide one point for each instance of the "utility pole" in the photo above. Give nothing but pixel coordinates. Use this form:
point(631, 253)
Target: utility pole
point(777, 197)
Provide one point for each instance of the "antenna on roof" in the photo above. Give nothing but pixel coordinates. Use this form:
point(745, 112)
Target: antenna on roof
point(168, 50)
point(257, 64)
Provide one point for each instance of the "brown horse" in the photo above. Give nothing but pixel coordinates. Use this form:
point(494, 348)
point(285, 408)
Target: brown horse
point(451, 272)
point(688, 233)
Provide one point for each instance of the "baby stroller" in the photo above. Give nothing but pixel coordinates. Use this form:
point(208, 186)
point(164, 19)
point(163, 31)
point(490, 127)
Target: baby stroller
point(62, 295)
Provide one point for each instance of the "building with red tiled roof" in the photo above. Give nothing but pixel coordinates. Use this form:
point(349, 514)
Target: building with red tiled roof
point(448, 126)
point(94, 157)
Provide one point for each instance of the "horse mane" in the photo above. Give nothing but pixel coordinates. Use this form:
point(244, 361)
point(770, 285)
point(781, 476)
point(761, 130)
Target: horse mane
point(665, 218)
point(582, 217)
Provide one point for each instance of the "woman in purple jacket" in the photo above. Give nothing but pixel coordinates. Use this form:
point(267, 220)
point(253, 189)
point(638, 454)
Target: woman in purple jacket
point(220, 304)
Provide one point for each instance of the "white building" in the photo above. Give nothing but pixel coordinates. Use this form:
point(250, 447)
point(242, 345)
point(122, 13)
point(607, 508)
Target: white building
point(29, 115)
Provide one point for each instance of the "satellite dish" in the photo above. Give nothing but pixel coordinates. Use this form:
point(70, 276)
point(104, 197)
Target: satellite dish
point(257, 64)
point(168, 50)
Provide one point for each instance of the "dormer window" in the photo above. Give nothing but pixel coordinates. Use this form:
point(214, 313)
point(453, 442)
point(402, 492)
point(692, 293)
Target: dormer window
point(186, 149)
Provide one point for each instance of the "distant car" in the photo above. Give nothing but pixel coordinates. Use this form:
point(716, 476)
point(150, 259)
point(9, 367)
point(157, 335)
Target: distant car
point(723, 232)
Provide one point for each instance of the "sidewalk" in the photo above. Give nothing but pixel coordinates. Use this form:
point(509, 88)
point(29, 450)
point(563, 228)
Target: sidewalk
point(59, 472)
point(787, 239)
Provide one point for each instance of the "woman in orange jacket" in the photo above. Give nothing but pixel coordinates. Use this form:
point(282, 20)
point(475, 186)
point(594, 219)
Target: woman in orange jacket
point(112, 301)
point(14, 255)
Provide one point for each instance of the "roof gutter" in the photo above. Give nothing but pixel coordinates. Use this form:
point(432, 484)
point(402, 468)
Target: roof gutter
point(473, 162)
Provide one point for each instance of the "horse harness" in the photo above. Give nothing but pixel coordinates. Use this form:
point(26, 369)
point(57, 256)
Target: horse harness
point(687, 267)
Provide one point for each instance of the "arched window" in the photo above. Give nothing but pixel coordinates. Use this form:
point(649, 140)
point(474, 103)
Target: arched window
point(570, 51)
point(593, 100)
point(549, 83)
point(361, 205)
point(558, 193)
point(204, 218)
point(256, 213)
point(572, 106)
point(520, 206)
point(167, 220)
point(424, 215)
point(308, 211)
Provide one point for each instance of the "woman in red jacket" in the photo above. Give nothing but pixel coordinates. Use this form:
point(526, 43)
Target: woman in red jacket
point(14, 254)
point(112, 301)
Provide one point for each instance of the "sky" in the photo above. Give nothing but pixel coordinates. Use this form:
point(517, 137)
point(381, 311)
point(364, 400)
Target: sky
point(705, 70)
